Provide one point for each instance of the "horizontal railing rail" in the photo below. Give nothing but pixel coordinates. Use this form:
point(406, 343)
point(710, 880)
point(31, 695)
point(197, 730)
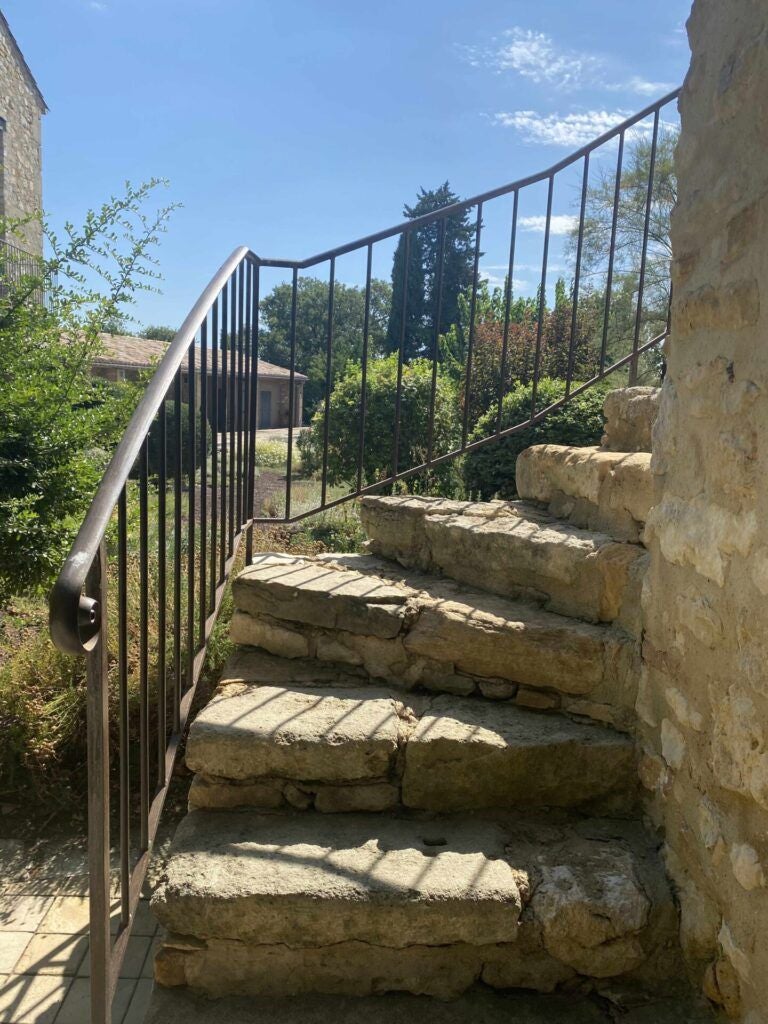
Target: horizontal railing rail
point(140, 591)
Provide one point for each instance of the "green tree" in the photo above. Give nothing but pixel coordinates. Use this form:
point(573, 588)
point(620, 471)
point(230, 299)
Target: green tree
point(344, 423)
point(423, 267)
point(159, 333)
point(556, 354)
point(57, 422)
point(630, 226)
point(490, 471)
point(312, 329)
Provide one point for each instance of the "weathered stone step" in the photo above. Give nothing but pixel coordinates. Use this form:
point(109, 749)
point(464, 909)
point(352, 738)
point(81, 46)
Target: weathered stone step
point(629, 417)
point(598, 489)
point(416, 630)
point(365, 749)
point(508, 548)
point(478, 1006)
point(289, 904)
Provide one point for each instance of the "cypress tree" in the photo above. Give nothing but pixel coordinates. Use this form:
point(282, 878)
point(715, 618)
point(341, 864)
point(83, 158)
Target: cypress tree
point(424, 254)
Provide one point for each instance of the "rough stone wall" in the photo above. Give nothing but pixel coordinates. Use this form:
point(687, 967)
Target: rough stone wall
point(703, 705)
point(22, 188)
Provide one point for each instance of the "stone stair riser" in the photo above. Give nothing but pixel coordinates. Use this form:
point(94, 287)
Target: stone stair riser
point(611, 492)
point(511, 552)
point(336, 751)
point(629, 417)
point(475, 903)
point(444, 651)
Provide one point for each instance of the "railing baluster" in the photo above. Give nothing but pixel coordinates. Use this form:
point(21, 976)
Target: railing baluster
point(232, 341)
point(177, 422)
point(472, 310)
point(246, 387)
point(191, 512)
point(328, 368)
point(364, 367)
point(97, 710)
point(253, 408)
point(162, 483)
point(124, 710)
point(215, 445)
point(203, 563)
point(224, 429)
point(507, 309)
point(143, 649)
point(644, 257)
point(436, 337)
point(542, 298)
point(577, 278)
point(240, 398)
point(291, 396)
point(612, 254)
point(401, 352)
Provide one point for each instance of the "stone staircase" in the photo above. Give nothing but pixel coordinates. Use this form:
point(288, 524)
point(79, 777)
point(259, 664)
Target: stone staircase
point(418, 775)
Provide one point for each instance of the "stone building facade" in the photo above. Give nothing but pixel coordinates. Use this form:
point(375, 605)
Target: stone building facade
point(21, 109)
point(704, 696)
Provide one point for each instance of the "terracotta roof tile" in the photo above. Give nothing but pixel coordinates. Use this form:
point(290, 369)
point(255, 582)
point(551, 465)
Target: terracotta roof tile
point(125, 350)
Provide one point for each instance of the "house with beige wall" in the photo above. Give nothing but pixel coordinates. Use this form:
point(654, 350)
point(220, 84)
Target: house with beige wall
point(124, 357)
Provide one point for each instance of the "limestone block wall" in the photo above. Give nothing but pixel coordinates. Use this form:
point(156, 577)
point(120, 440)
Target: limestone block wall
point(20, 155)
point(703, 705)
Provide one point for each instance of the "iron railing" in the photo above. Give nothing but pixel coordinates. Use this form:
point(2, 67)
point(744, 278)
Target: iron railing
point(141, 589)
point(24, 271)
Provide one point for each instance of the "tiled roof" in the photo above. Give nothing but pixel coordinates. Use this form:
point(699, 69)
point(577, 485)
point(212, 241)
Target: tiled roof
point(125, 350)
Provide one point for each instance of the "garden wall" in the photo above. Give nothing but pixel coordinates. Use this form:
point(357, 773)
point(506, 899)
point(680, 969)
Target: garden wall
point(703, 706)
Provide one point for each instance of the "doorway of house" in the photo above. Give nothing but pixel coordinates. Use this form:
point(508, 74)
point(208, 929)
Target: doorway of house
point(265, 410)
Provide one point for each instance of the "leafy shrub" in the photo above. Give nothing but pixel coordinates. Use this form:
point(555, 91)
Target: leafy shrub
point(490, 471)
point(381, 390)
point(272, 454)
point(170, 442)
point(57, 423)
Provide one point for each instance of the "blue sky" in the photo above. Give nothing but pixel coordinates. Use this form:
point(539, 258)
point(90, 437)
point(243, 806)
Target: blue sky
point(295, 125)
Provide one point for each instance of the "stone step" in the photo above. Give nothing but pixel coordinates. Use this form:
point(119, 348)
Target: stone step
point(288, 904)
point(509, 548)
point(173, 1006)
point(601, 490)
point(342, 748)
point(629, 417)
point(412, 629)
point(478, 1006)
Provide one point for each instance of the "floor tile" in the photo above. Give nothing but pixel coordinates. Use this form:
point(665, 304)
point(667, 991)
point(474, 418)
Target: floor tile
point(133, 961)
point(145, 922)
point(22, 913)
point(148, 970)
point(69, 915)
point(76, 1007)
point(28, 999)
point(53, 954)
point(12, 945)
point(137, 1011)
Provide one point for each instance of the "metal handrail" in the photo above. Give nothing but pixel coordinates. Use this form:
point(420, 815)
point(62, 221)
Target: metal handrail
point(74, 618)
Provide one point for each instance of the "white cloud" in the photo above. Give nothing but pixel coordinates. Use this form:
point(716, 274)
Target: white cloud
point(96, 5)
point(642, 87)
point(560, 130)
point(496, 280)
point(536, 56)
point(560, 223)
